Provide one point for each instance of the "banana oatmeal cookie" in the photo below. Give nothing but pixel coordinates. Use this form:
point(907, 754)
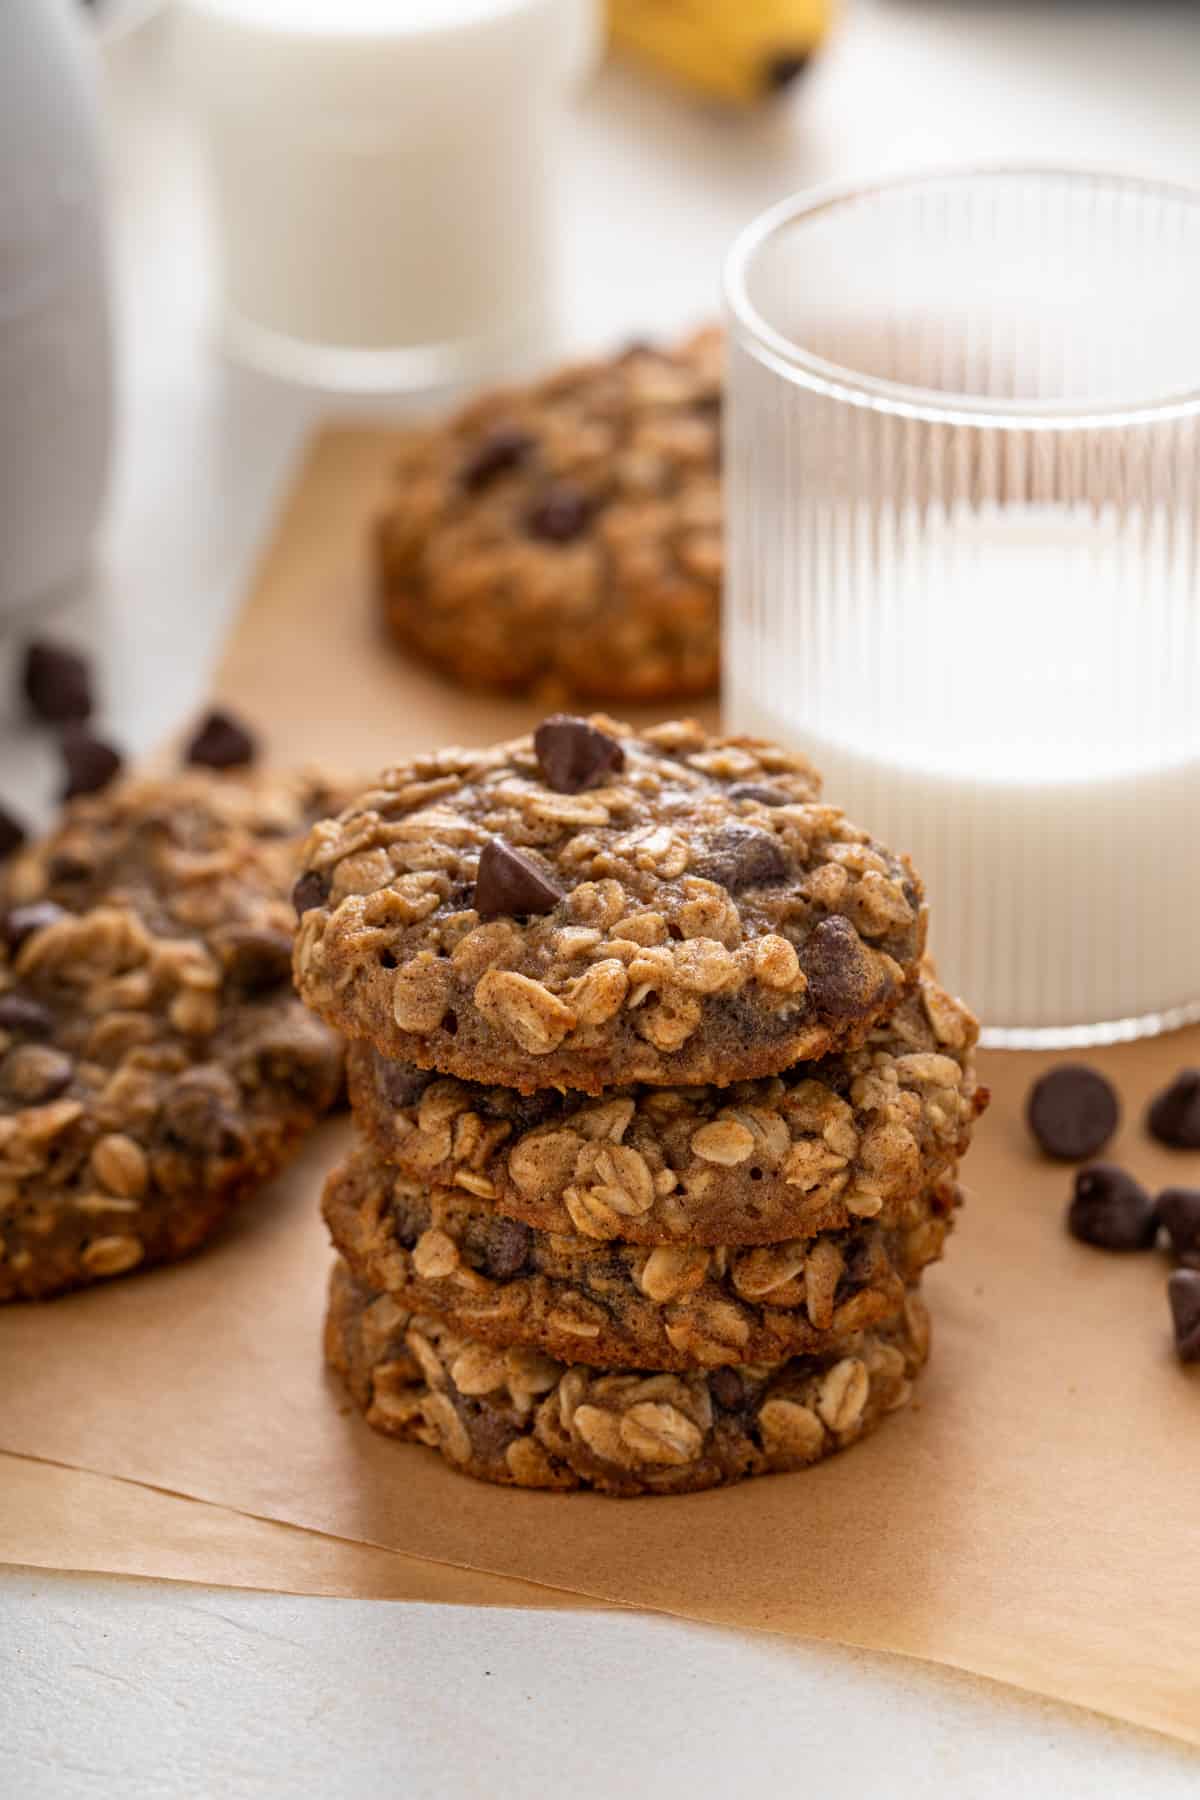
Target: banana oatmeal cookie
point(814, 1149)
point(587, 907)
point(674, 1306)
point(155, 1063)
point(517, 1417)
point(567, 536)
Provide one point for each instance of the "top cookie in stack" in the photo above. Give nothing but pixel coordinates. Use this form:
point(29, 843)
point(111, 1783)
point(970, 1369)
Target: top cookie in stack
point(588, 907)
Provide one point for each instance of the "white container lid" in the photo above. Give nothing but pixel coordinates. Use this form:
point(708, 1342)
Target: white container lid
point(400, 69)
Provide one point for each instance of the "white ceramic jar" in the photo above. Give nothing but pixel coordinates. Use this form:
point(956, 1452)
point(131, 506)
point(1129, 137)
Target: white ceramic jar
point(383, 178)
point(55, 346)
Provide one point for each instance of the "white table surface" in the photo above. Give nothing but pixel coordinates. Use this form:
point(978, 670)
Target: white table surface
point(136, 1688)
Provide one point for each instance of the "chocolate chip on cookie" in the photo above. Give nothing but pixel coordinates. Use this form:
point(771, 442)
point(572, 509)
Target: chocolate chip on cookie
point(573, 754)
point(1111, 1210)
point(57, 682)
point(311, 890)
point(559, 515)
point(1072, 1111)
point(503, 449)
point(22, 1017)
point(221, 741)
point(510, 882)
point(1174, 1116)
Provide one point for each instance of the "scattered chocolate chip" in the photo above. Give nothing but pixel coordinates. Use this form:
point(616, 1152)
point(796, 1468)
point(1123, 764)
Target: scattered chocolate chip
point(842, 980)
point(89, 764)
point(560, 514)
point(505, 1248)
point(196, 1115)
point(1111, 1210)
point(573, 755)
point(34, 1073)
point(509, 882)
point(725, 1386)
point(1174, 1116)
point(22, 921)
point(256, 958)
point(28, 1017)
point(311, 890)
point(221, 742)
point(399, 1083)
point(57, 682)
point(1183, 1293)
point(784, 68)
point(502, 449)
point(12, 833)
point(1072, 1111)
point(1179, 1213)
point(743, 856)
point(757, 790)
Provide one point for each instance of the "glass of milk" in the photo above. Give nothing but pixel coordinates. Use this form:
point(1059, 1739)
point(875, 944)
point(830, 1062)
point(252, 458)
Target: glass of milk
point(963, 466)
point(383, 179)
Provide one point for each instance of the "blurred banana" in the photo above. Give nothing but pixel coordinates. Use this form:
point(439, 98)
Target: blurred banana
point(740, 51)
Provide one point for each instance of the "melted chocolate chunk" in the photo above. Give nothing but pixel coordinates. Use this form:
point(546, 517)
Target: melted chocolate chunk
point(573, 755)
point(727, 1389)
point(743, 856)
point(399, 1083)
point(842, 982)
point(510, 882)
point(503, 449)
point(195, 1115)
point(311, 890)
point(505, 1248)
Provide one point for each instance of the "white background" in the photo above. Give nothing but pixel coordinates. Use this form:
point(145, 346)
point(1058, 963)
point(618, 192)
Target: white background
point(129, 1688)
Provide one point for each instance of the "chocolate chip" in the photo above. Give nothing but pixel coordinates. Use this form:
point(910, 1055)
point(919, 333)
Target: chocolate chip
point(294, 1051)
point(757, 790)
point(57, 682)
point(221, 742)
point(1179, 1212)
point(1111, 1210)
point(1183, 1292)
point(743, 856)
point(22, 921)
point(399, 1083)
point(842, 980)
point(502, 449)
point(489, 1431)
point(505, 1248)
point(196, 1115)
point(559, 515)
point(12, 833)
point(725, 1386)
point(256, 958)
point(34, 1073)
point(89, 763)
point(784, 68)
point(573, 755)
point(1174, 1116)
point(509, 882)
point(28, 1017)
point(311, 890)
point(1072, 1111)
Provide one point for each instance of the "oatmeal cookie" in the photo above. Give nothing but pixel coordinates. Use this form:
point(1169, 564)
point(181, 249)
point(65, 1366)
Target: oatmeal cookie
point(669, 1307)
point(522, 1419)
point(567, 536)
point(155, 1063)
point(814, 1149)
point(587, 907)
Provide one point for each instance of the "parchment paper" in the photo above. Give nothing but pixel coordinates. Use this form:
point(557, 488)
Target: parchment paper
point(1033, 1520)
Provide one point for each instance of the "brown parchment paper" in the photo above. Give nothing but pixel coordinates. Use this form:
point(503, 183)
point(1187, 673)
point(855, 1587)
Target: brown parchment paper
point(1034, 1519)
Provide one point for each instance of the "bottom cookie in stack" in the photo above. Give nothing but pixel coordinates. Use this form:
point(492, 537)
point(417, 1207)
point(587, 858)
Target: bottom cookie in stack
point(521, 1418)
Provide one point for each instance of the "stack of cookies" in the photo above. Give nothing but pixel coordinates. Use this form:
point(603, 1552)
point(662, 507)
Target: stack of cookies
point(659, 1108)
